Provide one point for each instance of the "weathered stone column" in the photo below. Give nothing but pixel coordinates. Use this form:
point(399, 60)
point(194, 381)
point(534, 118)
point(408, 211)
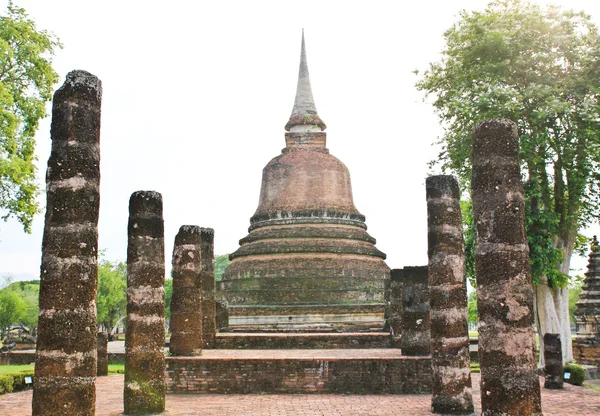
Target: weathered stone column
point(145, 329)
point(102, 348)
point(186, 315)
point(65, 365)
point(553, 368)
point(207, 284)
point(509, 383)
point(452, 392)
point(415, 322)
point(395, 307)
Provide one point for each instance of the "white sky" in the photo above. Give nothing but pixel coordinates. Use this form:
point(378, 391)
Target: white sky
point(196, 95)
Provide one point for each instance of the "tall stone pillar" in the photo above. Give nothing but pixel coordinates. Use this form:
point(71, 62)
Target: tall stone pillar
point(452, 392)
point(186, 315)
point(509, 383)
point(145, 329)
point(102, 348)
point(553, 369)
point(65, 365)
point(207, 284)
point(415, 322)
point(395, 306)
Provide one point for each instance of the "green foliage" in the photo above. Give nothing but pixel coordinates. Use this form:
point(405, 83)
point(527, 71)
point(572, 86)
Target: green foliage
point(111, 301)
point(469, 235)
point(26, 84)
point(18, 368)
point(541, 69)
point(472, 308)
point(6, 384)
point(12, 309)
point(168, 297)
point(116, 369)
point(577, 374)
point(221, 263)
point(19, 379)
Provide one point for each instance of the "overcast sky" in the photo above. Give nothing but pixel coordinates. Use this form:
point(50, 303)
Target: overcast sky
point(197, 94)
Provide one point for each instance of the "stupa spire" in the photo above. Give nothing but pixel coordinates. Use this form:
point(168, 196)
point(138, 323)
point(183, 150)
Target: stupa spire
point(304, 116)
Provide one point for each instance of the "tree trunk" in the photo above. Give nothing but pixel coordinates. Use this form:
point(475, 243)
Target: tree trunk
point(552, 309)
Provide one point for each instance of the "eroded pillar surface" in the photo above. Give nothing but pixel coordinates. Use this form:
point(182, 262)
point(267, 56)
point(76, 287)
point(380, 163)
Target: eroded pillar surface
point(207, 284)
point(186, 315)
point(415, 322)
point(145, 330)
point(65, 365)
point(395, 306)
point(553, 368)
point(102, 348)
point(452, 392)
point(509, 383)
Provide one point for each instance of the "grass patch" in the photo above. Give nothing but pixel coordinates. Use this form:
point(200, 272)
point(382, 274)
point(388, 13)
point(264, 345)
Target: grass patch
point(475, 368)
point(4, 369)
point(473, 334)
point(591, 387)
point(116, 369)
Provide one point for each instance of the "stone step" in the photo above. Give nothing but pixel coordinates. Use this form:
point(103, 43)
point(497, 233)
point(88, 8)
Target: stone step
point(357, 340)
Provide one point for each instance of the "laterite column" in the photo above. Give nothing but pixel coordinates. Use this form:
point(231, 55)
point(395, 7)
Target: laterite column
point(102, 348)
point(452, 392)
point(395, 307)
point(553, 368)
point(145, 330)
point(509, 382)
point(65, 364)
point(186, 315)
point(415, 322)
point(207, 284)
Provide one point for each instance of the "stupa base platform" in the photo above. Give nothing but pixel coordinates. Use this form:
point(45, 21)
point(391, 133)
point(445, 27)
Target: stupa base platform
point(336, 371)
point(327, 340)
point(306, 318)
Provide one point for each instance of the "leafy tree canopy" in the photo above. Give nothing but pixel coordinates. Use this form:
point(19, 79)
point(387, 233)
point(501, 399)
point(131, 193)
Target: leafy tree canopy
point(541, 69)
point(111, 302)
point(26, 84)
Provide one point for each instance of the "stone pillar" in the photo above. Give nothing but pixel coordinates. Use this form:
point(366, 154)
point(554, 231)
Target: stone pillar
point(186, 315)
point(395, 307)
point(145, 334)
point(207, 284)
point(553, 369)
point(415, 321)
point(102, 348)
point(65, 365)
point(509, 383)
point(452, 392)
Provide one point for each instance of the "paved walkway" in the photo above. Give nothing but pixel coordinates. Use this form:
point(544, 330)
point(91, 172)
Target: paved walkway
point(568, 402)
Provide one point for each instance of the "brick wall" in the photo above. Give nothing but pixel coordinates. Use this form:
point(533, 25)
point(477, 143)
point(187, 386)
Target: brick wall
point(405, 375)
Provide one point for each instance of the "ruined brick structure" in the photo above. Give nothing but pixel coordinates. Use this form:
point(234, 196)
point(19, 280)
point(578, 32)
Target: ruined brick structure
point(144, 391)
point(452, 393)
point(207, 286)
point(586, 346)
point(507, 352)
point(307, 243)
point(65, 365)
point(415, 323)
point(186, 301)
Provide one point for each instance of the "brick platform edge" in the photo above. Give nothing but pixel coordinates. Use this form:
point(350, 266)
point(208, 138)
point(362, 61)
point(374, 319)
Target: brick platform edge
point(199, 375)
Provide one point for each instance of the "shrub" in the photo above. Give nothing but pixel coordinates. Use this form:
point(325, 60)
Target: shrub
point(19, 379)
point(6, 384)
point(577, 374)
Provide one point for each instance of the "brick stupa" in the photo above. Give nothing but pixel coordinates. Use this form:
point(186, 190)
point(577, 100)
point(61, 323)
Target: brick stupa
point(586, 346)
point(308, 260)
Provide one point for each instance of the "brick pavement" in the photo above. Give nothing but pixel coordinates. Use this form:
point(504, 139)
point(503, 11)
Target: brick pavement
point(571, 401)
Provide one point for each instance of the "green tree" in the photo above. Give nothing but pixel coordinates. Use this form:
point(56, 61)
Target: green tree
point(541, 69)
point(472, 308)
point(221, 263)
point(111, 301)
point(12, 309)
point(168, 297)
point(26, 84)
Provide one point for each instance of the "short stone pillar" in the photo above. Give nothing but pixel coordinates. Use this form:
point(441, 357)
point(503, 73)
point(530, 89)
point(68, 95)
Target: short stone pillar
point(395, 306)
point(553, 369)
point(102, 348)
point(452, 393)
point(65, 364)
point(145, 334)
point(415, 322)
point(207, 284)
point(186, 315)
point(509, 382)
